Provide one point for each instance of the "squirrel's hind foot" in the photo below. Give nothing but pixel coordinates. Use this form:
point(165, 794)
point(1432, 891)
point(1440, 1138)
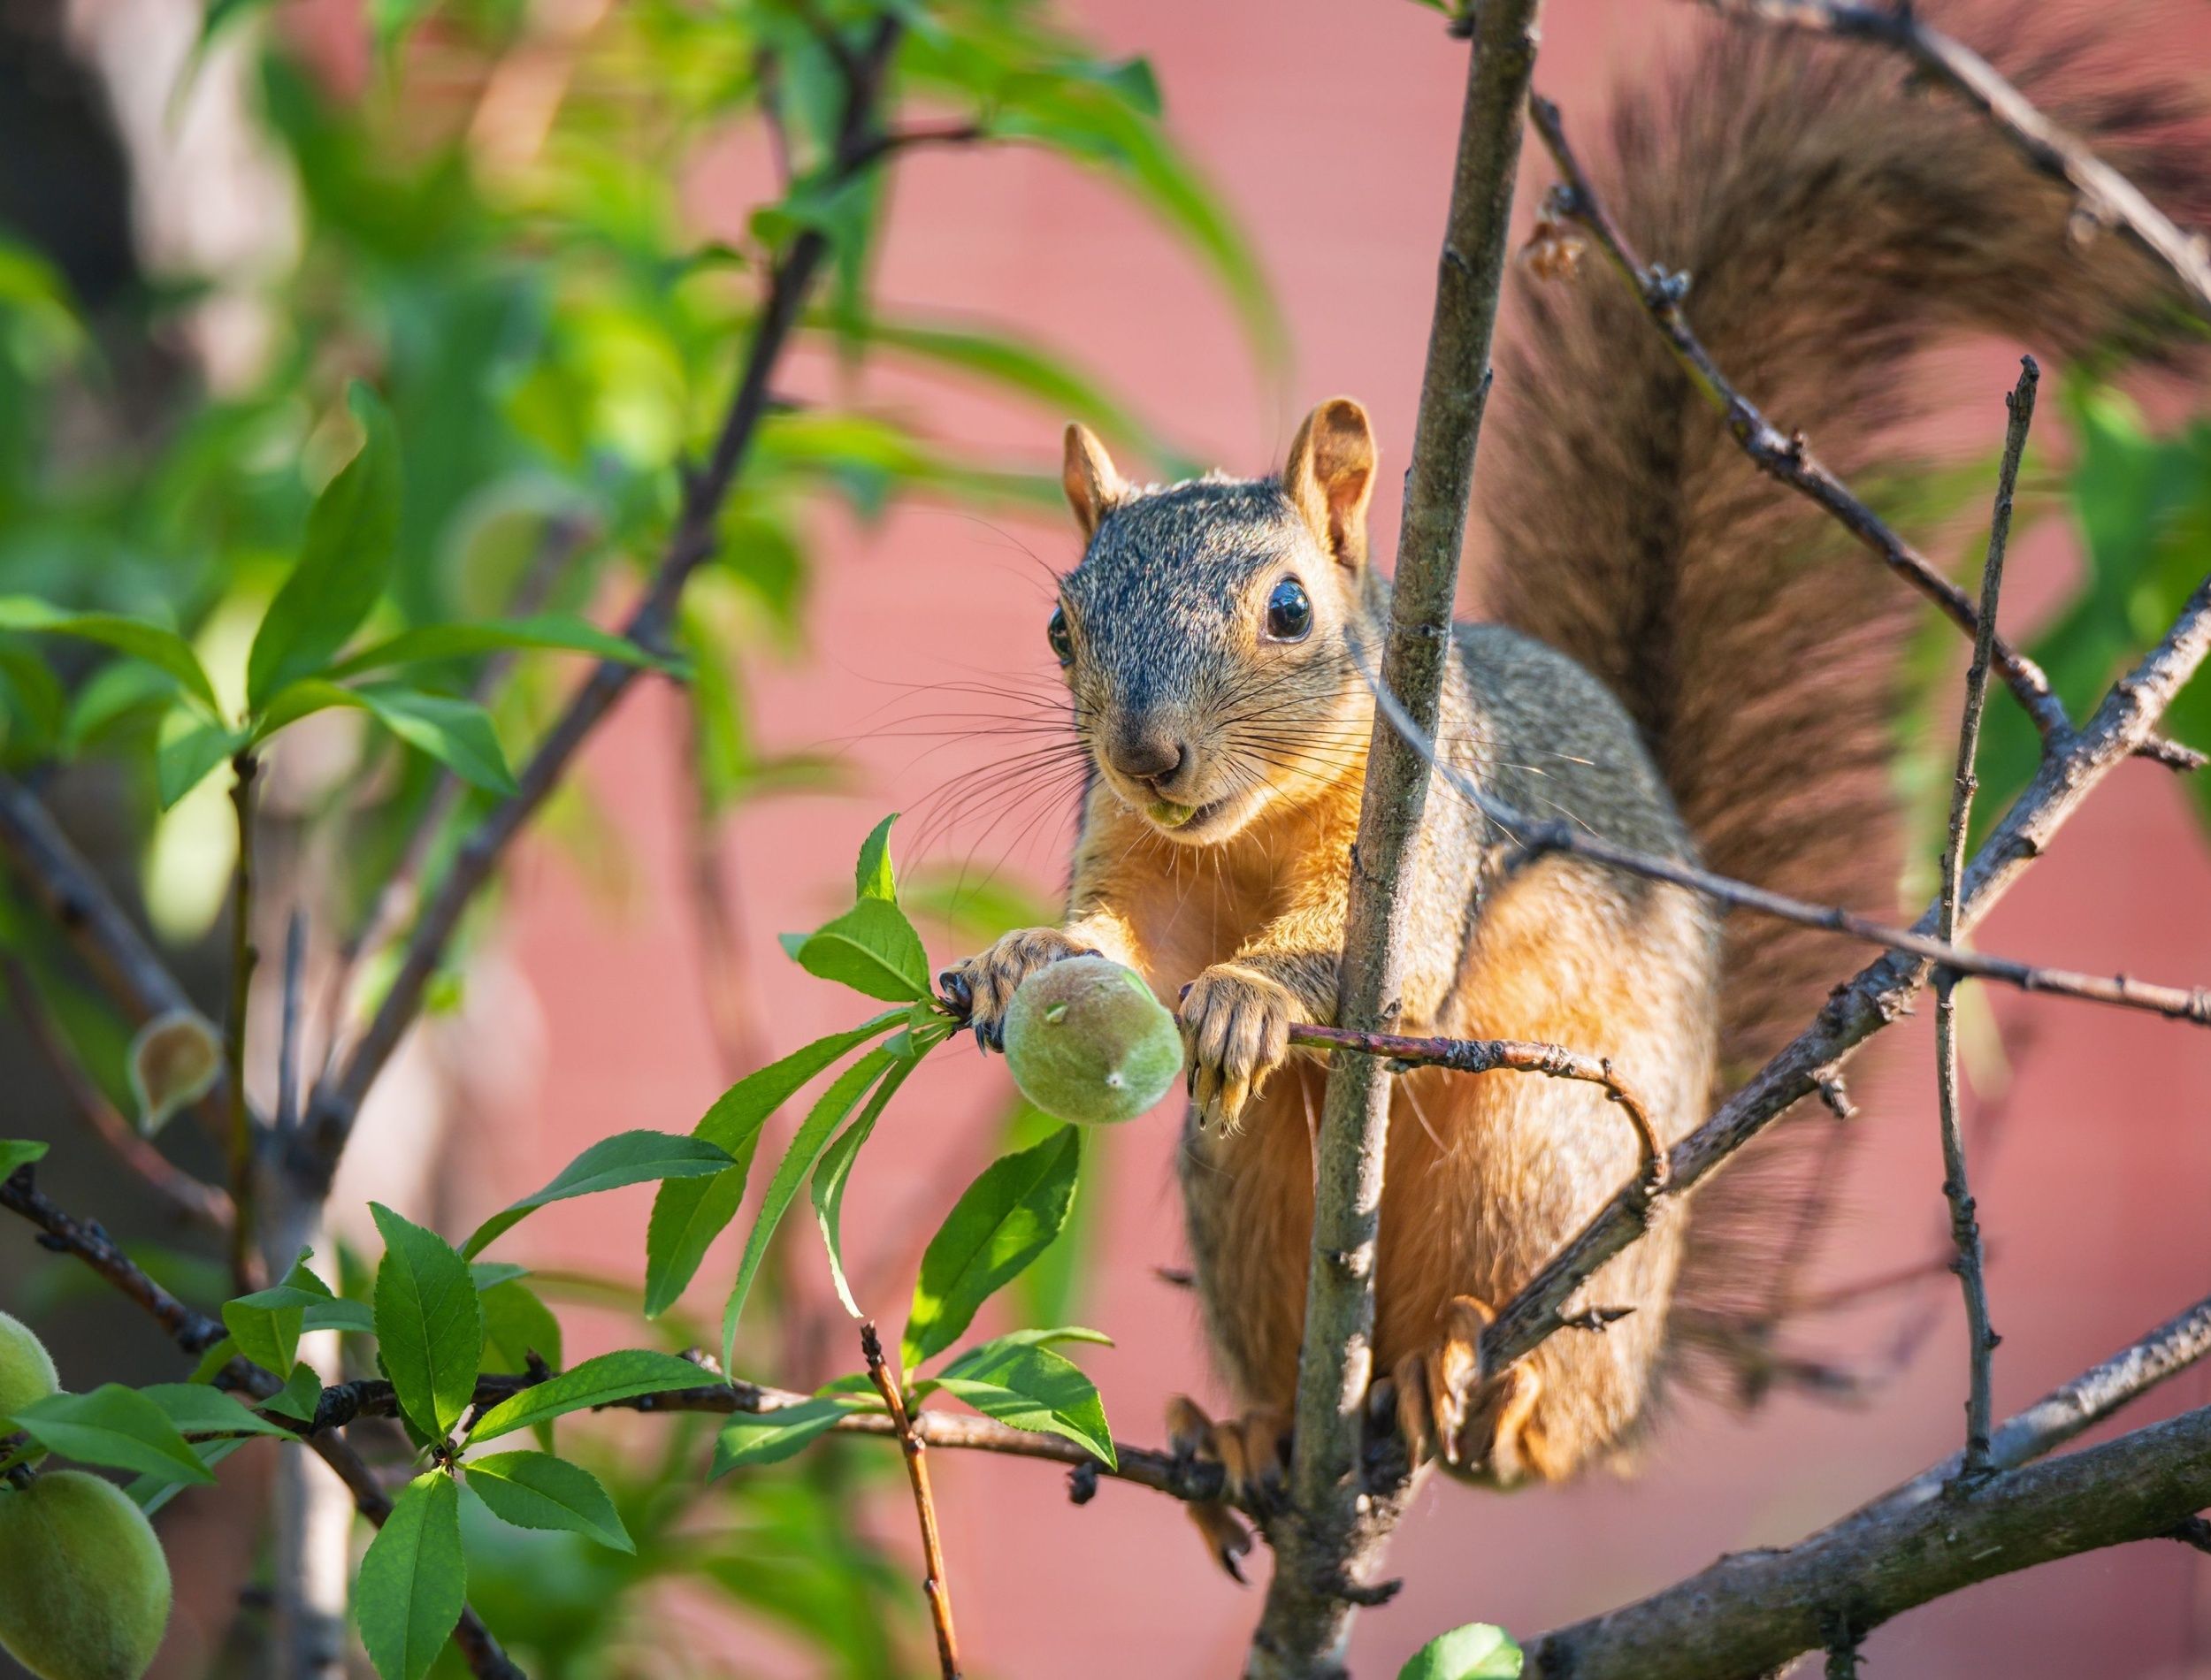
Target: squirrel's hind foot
point(1253, 1452)
point(1479, 1428)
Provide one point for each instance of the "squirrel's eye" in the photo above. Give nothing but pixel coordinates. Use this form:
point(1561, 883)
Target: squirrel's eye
point(1289, 612)
point(1055, 633)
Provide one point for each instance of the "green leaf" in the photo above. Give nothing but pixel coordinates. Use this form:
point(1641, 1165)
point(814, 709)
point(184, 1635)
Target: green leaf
point(334, 1313)
point(836, 1167)
point(429, 1324)
point(1476, 1652)
point(871, 948)
point(344, 560)
point(753, 1438)
point(116, 1426)
point(197, 1410)
point(872, 875)
point(17, 1153)
point(689, 1213)
point(807, 1144)
point(553, 632)
point(414, 1579)
point(1058, 1333)
point(596, 1382)
point(1004, 1220)
point(627, 1157)
point(151, 1492)
point(489, 1274)
point(298, 1398)
point(536, 1490)
point(517, 1324)
point(266, 1326)
point(188, 753)
point(162, 648)
point(456, 733)
point(1032, 1388)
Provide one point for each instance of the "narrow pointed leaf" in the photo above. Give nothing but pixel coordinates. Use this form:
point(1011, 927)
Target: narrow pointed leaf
point(536, 1490)
point(836, 1168)
point(115, 1426)
point(456, 733)
point(627, 1157)
point(197, 1410)
point(752, 1438)
point(17, 1152)
point(596, 1382)
point(344, 561)
point(689, 1213)
point(163, 649)
point(807, 1144)
point(414, 1579)
point(429, 1324)
point(550, 632)
point(1002, 1221)
point(872, 875)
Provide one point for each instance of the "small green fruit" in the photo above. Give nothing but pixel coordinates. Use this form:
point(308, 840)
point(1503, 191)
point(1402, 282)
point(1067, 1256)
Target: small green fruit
point(84, 1589)
point(1087, 1041)
point(27, 1370)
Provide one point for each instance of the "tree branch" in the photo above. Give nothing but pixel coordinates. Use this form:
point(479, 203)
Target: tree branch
point(1965, 1232)
point(1752, 1613)
point(935, 1585)
point(1789, 460)
point(2106, 197)
point(1337, 1529)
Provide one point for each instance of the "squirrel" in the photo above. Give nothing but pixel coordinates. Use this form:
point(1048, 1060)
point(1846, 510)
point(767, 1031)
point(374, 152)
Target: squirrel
point(1684, 659)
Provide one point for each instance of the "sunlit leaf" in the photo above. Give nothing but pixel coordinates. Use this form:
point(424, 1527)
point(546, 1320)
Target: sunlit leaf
point(1476, 1652)
point(536, 1490)
point(115, 1426)
point(162, 648)
point(753, 1438)
point(429, 1324)
point(596, 1382)
point(625, 1158)
point(1002, 1221)
point(871, 948)
point(1032, 1388)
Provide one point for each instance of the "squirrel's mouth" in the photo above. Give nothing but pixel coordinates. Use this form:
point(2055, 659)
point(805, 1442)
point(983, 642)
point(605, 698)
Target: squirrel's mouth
point(1197, 824)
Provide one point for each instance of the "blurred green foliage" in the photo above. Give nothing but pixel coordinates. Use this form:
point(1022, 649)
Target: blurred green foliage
point(537, 341)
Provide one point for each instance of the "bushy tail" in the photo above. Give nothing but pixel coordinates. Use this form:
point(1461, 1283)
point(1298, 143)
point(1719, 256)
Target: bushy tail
point(1833, 220)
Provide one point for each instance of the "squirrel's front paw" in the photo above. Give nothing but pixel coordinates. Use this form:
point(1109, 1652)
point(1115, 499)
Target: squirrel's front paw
point(984, 985)
point(1236, 1022)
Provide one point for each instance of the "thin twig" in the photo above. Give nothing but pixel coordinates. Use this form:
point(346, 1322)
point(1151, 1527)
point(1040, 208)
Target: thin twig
point(935, 1585)
point(2071, 1408)
point(1965, 1231)
point(287, 1104)
point(1488, 1054)
point(2108, 199)
point(1786, 457)
point(202, 1203)
point(240, 1140)
point(337, 1099)
point(1340, 1528)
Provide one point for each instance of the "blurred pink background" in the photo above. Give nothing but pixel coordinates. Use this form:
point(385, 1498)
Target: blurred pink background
point(1331, 128)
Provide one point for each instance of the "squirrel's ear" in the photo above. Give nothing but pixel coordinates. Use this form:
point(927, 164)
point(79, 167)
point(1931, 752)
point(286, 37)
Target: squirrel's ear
point(1089, 478)
point(1330, 477)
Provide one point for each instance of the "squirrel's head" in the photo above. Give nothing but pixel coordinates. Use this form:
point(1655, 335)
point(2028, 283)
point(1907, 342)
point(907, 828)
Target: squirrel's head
point(1206, 635)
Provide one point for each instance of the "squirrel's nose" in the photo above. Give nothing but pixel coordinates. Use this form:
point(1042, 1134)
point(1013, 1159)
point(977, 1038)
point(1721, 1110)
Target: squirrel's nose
point(1149, 755)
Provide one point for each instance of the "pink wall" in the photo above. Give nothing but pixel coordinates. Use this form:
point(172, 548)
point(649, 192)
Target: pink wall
point(1331, 127)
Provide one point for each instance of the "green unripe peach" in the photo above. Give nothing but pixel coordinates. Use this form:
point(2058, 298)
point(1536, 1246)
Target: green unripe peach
point(27, 1370)
point(1087, 1041)
point(84, 1589)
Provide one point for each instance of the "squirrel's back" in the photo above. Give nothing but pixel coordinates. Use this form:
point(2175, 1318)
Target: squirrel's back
point(1832, 220)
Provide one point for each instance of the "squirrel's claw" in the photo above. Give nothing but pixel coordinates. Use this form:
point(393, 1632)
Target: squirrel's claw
point(1235, 1024)
point(1480, 1428)
point(983, 988)
point(1252, 1453)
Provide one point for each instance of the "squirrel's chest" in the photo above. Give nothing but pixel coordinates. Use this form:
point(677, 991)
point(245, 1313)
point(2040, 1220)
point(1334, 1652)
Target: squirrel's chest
point(1199, 912)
